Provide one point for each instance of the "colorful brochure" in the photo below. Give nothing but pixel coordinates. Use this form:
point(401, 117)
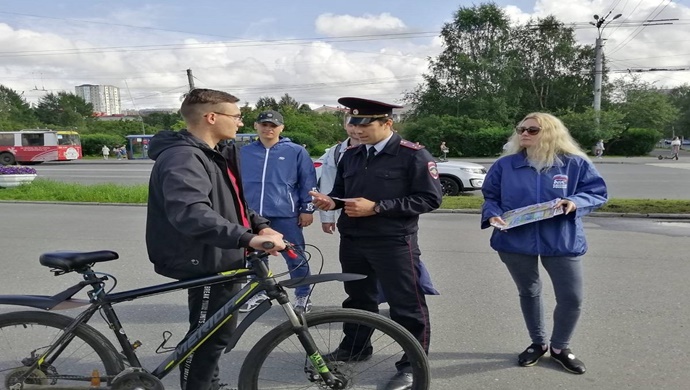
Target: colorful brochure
point(529, 214)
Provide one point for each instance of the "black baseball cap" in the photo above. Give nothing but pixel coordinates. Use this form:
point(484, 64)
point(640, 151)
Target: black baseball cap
point(270, 116)
point(363, 111)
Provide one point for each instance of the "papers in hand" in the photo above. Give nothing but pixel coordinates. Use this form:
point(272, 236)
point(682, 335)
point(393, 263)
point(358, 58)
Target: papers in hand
point(344, 199)
point(529, 214)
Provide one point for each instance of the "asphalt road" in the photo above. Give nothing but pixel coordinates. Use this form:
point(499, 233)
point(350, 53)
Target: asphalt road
point(640, 177)
point(633, 332)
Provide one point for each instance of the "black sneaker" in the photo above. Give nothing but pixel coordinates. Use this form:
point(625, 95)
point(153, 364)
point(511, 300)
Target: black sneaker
point(569, 361)
point(531, 355)
point(345, 355)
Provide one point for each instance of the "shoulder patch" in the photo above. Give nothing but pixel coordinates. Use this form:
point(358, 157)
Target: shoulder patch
point(411, 145)
point(433, 169)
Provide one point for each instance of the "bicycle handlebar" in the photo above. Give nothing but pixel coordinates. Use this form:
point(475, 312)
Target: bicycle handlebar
point(289, 248)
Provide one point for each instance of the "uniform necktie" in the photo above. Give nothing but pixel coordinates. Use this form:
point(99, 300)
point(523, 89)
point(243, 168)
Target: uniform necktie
point(370, 155)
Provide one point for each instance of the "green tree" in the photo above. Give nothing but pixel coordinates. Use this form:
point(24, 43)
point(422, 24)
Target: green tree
point(162, 120)
point(583, 126)
point(15, 112)
point(287, 102)
point(489, 69)
point(552, 72)
point(680, 98)
point(63, 109)
point(643, 104)
point(267, 103)
point(471, 75)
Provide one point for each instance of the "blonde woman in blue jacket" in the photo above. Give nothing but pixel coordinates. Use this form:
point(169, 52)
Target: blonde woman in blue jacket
point(543, 163)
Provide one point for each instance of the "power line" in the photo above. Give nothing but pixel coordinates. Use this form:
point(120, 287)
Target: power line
point(635, 33)
point(227, 44)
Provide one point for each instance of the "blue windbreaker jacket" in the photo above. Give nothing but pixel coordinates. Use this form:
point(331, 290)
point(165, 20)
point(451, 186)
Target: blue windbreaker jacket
point(512, 183)
point(277, 181)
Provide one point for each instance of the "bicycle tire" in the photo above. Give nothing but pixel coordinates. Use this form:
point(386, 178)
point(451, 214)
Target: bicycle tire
point(24, 334)
point(291, 370)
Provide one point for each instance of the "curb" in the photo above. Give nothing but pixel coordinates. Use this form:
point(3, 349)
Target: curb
point(599, 214)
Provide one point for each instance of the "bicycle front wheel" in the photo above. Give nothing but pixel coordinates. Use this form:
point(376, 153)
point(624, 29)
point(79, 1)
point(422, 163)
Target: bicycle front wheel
point(26, 336)
point(278, 360)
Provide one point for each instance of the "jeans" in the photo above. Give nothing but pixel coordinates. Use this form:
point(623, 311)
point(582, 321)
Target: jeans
point(292, 232)
point(566, 276)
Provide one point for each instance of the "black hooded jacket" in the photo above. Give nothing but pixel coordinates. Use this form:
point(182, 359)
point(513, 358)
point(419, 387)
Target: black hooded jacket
point(193, 224)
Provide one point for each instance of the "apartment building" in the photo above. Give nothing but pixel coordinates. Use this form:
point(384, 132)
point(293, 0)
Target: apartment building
point(105, 98)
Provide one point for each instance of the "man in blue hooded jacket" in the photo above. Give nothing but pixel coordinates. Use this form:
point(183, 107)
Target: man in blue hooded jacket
point(278, 175)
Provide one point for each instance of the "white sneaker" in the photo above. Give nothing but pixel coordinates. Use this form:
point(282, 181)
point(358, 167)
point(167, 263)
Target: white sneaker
point(302, 305)
point(253, 302)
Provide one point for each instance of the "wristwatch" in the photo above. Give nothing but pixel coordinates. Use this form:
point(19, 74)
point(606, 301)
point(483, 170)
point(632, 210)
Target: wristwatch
point(377, 208)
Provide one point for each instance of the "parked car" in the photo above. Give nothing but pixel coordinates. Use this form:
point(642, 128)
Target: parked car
point(455, 176)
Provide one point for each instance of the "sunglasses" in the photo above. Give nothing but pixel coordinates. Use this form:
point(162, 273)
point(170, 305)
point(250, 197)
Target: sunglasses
point(532, 130)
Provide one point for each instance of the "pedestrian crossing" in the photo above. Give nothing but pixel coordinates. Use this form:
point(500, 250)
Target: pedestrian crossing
point(672, 165)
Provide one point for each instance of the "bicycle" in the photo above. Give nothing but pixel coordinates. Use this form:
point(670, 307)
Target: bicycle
point(44, 350)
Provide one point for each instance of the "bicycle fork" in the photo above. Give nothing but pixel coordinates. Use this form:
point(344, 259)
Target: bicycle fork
point(299, 326)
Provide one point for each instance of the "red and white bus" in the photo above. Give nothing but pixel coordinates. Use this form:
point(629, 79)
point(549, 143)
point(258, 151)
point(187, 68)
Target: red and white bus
point(36, 146)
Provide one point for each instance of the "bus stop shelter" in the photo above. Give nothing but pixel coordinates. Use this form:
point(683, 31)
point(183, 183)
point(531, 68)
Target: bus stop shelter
point(138, 146)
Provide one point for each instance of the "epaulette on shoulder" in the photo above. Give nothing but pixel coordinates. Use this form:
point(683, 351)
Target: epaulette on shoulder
point(411, 145)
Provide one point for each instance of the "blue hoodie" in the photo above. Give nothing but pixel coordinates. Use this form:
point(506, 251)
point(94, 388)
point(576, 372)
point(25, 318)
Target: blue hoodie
point(512, 183)
point(277, 181)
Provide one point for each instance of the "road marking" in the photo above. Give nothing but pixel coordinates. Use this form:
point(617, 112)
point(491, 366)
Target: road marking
point(672, 165)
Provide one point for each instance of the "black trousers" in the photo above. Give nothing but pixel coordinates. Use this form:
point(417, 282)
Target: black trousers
point(200, 370)
point(393, 262)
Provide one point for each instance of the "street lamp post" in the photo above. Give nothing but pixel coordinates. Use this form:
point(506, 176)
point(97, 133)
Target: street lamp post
point(600, 24)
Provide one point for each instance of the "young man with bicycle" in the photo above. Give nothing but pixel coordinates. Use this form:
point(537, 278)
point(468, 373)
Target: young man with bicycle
point(383, 186)
point(198, 222)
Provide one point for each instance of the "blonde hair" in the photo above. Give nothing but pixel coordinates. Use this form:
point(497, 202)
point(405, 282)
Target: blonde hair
point(555, 140)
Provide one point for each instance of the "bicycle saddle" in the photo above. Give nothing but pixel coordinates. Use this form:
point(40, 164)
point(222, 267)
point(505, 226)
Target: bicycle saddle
point(72, 261)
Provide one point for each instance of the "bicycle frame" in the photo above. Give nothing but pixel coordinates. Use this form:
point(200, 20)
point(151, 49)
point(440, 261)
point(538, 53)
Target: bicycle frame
point(100, 300)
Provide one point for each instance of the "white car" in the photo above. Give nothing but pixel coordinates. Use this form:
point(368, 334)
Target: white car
point(456, 176)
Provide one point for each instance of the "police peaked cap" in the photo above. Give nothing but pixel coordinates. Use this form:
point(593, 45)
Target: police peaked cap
point(363, 111)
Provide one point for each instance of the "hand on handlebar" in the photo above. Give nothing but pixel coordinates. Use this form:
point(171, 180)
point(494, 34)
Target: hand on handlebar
point(269, 243)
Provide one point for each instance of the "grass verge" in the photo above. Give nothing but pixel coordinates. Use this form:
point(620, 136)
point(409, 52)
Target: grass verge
point(623, 206)
point(52, 191)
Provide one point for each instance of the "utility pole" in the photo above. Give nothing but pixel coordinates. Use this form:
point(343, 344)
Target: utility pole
point(598, 59)
point(190, 79)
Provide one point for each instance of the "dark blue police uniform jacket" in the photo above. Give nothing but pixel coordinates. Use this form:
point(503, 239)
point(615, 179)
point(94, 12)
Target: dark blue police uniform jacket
point(402, 177)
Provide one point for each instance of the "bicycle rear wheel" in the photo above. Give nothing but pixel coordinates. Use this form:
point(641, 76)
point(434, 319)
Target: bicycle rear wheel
point(278, 360)
point(26, 336)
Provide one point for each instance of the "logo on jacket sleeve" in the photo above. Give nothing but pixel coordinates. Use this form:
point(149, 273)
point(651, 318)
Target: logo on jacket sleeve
point(560, 181)
point(433, 169)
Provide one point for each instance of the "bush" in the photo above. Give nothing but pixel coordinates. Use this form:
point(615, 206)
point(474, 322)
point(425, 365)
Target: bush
point(301, 138)
point(634, 142)
point(487, 142)
point(431, 130)
point(91, 144)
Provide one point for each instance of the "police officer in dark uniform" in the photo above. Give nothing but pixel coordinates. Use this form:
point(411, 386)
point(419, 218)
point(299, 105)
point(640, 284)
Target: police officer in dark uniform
point(383, 186)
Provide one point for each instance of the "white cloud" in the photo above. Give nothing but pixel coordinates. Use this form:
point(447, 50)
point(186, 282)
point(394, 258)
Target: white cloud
point(340, 25)
point(312, 72)
point(632, 47)
point(316, 72)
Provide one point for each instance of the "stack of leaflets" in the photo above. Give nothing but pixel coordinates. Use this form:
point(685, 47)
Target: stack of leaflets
point(529, 214)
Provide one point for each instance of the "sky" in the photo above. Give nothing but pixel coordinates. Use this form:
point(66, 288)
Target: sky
point(314, 50)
